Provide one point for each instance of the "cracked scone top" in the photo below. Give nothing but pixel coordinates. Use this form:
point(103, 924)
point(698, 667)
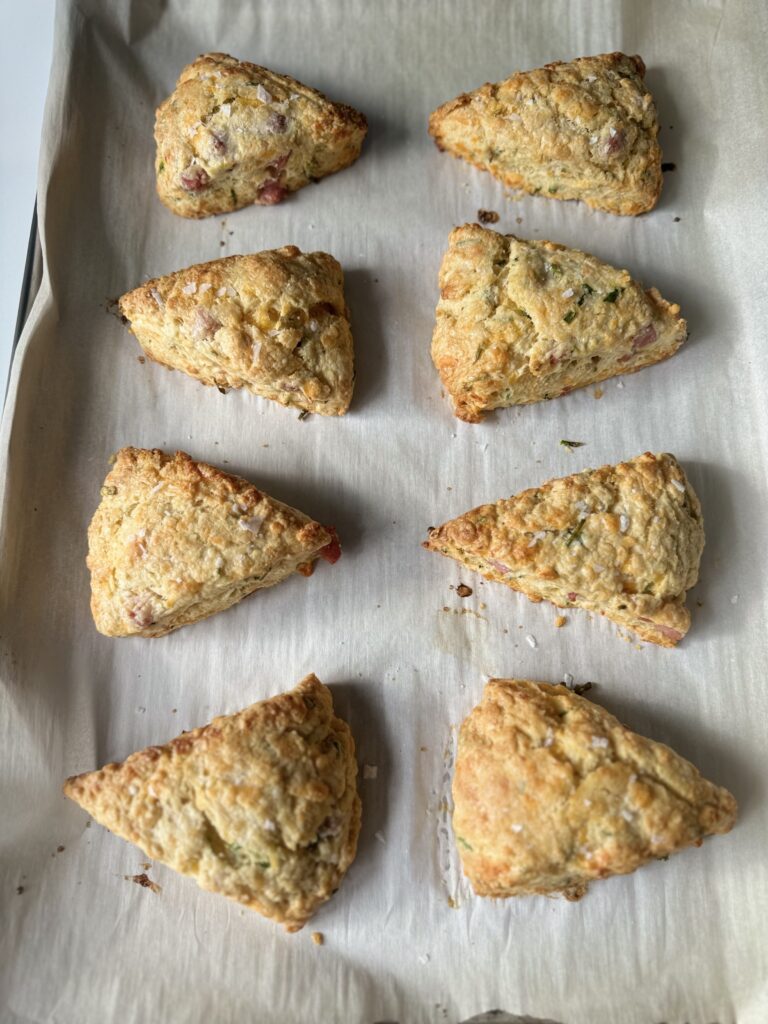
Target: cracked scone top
point(260, 806)
point(585, 130)
point(552, 792)
point(274, 322)
point(174, 540)
point(233, 133)
point(623, 540)
point(522, 321)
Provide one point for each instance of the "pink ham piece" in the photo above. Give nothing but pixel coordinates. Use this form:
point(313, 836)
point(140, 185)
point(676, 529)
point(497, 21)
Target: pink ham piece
point(205, 324)
point(644, 337)
point(271, 193)
point(194, 179)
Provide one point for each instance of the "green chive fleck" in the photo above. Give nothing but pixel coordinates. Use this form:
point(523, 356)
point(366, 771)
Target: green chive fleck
point(588, 288)
point(612, 296)
point(463, 842)
point(557, 270)
point(234, 196)
point(553, 189)
point(575, 534)
point(570, 316)
point(161, 168)
point(570, 445)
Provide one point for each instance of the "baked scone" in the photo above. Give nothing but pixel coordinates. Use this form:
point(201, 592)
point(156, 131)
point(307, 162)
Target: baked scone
point(273, 322)
point(233, 133)
point(519, 321)
point(174, 540)
point(551, 792)
point(260, 806)
point(585, 130)
point(624, 541)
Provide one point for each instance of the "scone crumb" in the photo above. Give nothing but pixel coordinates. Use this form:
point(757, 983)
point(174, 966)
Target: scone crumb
point(318, 938)
point(598, 393)
point(370, 771)
point(487, 216)
point(144, 881)
point(463, 590)
point(560, 621)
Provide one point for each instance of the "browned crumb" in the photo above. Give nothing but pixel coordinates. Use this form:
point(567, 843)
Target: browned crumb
point(581, 688)
point(560, 621)
point(144, 881)
point(518, 220)
point(598, 392)
point(676, 220)
point(141, 359)
point(146, 865)
point(304, 414)
point(60, 849)
point(463, 590)
point(668, 167)
point(19, 890)
point(423, 748)
point(446, 608)
point(318, 938)
point(487, 216)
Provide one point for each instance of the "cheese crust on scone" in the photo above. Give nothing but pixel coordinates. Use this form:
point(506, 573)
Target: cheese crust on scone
point(174, 540)
point(522, 321)
point(260, 806)
point(585, 130)
point(551, 792)
point(624, 541)
point(233, 133)
point(273, 322)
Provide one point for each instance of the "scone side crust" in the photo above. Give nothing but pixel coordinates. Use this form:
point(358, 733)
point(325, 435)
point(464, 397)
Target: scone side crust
point(274, 322)
point(552, 792)
point(260, 806)
point(174, 540)
point(584, 129)
point(233, 133)
point(522, 321)
point(624, 541)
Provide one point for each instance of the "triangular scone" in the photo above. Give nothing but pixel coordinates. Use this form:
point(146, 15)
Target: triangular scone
point(273, 322)
point(260, 806)
point(174, 540)
point(582, 130)
point(520, 321)
point(233, 133)
point(624, 541)
point(551, 792)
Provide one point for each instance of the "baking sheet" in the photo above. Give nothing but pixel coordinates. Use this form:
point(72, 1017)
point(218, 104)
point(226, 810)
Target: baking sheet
point(683, 941)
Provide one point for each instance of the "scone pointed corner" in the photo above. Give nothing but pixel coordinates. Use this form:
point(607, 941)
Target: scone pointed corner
point(528, 320)
point(584, 796)
point(624, 541)
point(234, 134)
point(584, 129)
point(174, 540)
point(275, 323)
point(260, 806)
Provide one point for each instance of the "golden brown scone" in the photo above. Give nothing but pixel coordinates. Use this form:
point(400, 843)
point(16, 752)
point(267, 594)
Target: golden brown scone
point(519, 321)
point(624, 541)
point(273, 322)
point(551, 792)
point(582, 130)
point(260, 806)
point(175, 540)
point(232, 133)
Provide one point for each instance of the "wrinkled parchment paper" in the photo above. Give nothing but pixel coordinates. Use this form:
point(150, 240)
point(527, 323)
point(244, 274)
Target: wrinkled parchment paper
point(683, 941)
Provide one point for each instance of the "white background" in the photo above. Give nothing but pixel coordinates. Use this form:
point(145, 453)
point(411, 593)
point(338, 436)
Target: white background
point(25, 57)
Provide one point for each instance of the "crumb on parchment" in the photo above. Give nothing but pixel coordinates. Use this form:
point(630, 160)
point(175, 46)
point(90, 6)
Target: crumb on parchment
point(318, 938)
point(144, 881)
point(560, 621)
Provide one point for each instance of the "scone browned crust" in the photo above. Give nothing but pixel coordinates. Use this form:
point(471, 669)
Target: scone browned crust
point(174, 540)
point(233, 133)
point(260, 806)
point(585, 130)
point(520, 321)
point(274, 322)
point(550, 792)
point(623, 540)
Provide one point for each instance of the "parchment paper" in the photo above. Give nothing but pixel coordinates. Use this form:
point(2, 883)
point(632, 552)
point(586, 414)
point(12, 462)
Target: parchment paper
point(683, 941)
